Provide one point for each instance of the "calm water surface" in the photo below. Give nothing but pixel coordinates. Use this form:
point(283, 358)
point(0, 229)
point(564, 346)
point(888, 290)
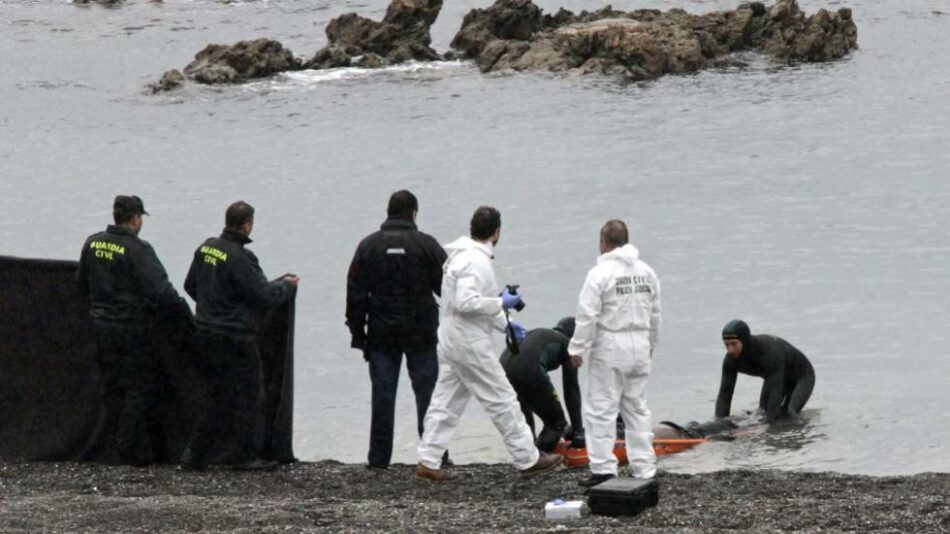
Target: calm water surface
point(810, 201)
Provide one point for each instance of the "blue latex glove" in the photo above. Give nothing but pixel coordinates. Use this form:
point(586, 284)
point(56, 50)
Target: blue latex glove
point(508, 300)
point(519, 331)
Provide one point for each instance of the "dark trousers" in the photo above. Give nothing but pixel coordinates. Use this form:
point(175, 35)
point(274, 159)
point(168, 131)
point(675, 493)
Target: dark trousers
point(129, 373)
point(423, 367)
point(233, 408)
point(537, 397)
point(797, 394)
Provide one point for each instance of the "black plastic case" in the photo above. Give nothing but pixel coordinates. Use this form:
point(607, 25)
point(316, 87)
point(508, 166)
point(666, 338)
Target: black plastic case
point(622, 496)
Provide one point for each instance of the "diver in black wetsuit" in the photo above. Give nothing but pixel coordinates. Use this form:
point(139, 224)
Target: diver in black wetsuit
point(542, 351)
point(789, 376)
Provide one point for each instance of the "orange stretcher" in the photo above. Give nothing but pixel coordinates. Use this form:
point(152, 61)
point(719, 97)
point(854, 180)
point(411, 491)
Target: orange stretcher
point(662, 447)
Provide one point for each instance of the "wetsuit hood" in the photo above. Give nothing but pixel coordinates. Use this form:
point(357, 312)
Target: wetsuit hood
point(737, 329)
point(566, 326)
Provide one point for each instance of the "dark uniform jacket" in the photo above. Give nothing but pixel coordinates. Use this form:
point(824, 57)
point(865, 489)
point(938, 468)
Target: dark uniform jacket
point(390, 287)
point(124, 283)
point(227, 283)
point(769, 357)
point(543, 350)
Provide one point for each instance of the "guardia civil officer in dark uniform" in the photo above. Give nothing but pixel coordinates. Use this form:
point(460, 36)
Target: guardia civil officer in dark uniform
point(127, 290)
point(788, 375)
point(391, 311)
point(232, 294)
point(543, 350)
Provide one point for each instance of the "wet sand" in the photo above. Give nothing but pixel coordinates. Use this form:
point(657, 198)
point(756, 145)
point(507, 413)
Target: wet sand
point(329, 496)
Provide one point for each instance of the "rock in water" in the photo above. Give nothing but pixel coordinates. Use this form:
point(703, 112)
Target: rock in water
point(517, 20)
point(646, 43)
point(402, 35)
point(172, 79)
point(514, 34)
point(821, 37)
point(242, 61)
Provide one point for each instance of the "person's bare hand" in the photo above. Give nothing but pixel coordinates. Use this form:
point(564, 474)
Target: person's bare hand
point(577, 361)
point(292, 279)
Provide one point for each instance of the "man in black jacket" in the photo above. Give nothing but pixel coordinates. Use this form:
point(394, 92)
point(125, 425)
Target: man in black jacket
point(391, 311)
point(789, 376)
point(127, 288)
point(227, 283)
point(543, 350)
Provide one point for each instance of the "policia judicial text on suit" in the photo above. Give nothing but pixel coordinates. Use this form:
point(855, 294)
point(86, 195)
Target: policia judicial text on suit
point(617, 331)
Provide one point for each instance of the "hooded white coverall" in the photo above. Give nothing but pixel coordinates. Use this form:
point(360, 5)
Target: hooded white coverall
point(618, 324)
point(468, 362)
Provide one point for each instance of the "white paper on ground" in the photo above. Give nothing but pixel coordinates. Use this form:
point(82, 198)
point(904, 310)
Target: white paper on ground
point(558, 509)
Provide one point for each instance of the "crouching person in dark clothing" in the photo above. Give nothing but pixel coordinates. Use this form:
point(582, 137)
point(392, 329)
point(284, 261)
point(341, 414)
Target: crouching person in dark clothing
point(391, 311)
point(542, 351)
point(232, 295)
point(788, 375)
point(126, 288)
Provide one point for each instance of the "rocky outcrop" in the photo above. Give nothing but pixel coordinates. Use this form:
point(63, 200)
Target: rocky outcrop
point(237, 63)
point(645, 44)
point(172, 79)
point(515, 20)
point(242, 61)
point(820, 37)
point(402, 35)
point(515, 34)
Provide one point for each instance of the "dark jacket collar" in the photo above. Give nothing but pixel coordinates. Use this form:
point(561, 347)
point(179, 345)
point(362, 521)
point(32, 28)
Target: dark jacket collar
point(119, 229)
point(231, 235)
point(398, 223)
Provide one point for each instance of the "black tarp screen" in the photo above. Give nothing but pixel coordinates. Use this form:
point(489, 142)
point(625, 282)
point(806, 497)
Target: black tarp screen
point(50, 406)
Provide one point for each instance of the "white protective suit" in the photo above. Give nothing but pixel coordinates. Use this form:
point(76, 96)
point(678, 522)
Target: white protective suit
point(618, 322)
point(468, 362)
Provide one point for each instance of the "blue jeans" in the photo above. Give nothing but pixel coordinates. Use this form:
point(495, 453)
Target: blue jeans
point(384, 367)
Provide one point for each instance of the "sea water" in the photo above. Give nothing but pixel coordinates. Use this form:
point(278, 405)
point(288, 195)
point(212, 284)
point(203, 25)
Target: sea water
point(809, 200)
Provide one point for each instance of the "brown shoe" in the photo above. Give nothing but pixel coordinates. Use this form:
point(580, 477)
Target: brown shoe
point(545, 463)
point(435, 475)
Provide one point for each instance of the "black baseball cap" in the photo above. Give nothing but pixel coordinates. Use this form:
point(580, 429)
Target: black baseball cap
point(129, 204)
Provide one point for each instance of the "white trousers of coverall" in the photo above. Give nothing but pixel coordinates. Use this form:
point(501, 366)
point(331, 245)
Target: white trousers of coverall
point(466, 373)
point(616, 384)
